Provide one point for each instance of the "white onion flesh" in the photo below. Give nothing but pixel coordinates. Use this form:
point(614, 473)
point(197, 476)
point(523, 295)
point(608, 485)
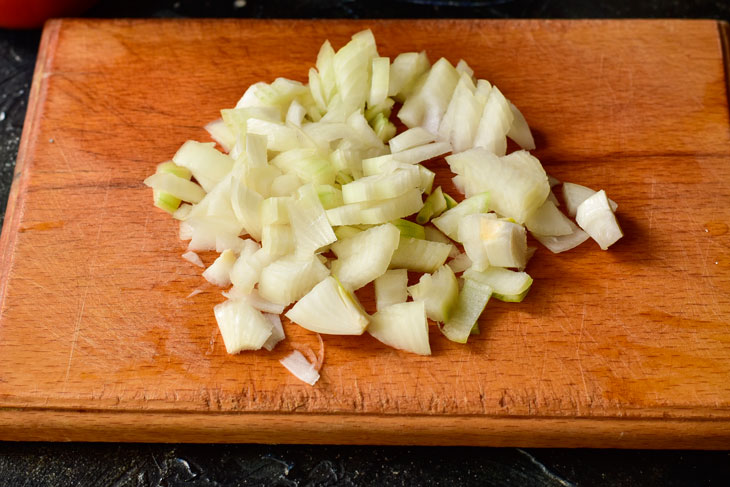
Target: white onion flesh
point(193, 258)
point(595, 216)
point(300, 367)
point(320, 166)
point(402, 326)
point(391, 288)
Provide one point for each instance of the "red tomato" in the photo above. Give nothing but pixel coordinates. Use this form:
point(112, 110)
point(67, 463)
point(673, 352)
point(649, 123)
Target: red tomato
point(26, 14)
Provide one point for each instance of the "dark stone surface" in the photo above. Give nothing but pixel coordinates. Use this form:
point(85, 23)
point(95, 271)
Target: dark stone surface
point(47, 464)
point(288, 466)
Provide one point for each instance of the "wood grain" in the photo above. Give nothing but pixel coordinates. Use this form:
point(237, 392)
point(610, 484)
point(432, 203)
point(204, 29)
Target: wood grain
point(625, 348)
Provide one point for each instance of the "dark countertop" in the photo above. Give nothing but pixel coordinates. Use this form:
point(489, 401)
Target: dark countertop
point(57, 464)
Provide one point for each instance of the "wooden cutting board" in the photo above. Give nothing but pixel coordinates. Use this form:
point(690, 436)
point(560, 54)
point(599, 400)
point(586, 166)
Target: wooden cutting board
point(624, 348)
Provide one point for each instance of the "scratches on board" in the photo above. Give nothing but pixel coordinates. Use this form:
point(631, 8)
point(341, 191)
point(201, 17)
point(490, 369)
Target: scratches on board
point(92, 263)
point(578, 350)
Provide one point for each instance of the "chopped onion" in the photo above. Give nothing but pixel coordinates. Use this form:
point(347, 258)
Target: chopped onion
point(317, 167)
point(288, 279)
point(520, 131)
point(448, 222)
point(402, 326)
point(300, 367)
point(420, 255)
point(380, 80)
point(219, 271)
point(495, 123)
point(193, 258)
point(277, 331)
point(427, 105)
point(517, 183)
point(575, 194)
point(548, 220)
point(409, 229)
point(254, 299)
point(509, 286)
point(331, 309)
point(365, 256)
point(406, 69)
point(391, 288)
point(242, 327)
point(439, 291)
point(194, 292)
point(595, 216)
point(176, 186)
point(473, 297)
point(223, 242)
point(460, 263)
point(208, 165)
point(310, 226)
point(414, 137)
point(563, 242)
point(220, 132)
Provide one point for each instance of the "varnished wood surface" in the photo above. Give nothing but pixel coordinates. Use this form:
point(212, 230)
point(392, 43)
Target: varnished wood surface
point(625, 348)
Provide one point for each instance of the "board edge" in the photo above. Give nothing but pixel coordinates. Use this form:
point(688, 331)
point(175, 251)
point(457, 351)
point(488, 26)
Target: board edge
point(723, 28)
point(264, 428)
point(16, 195)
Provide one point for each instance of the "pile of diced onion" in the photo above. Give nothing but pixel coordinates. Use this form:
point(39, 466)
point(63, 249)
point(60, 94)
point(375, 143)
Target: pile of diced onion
point(314, 196)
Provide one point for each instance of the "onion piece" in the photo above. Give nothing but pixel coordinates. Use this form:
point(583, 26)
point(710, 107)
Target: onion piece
point(176, 186)
point(310, 226)
point(448, 222)
point(472, 232)
point(224, 241)
point(520, 131)
point(380, 80)
point(351, 66)
point(219, 271)
point(563, 242)
point(405, 70)
point(193, 258)
point(413, 137)
point(380, 186)
point(439, 291)
point(277, 331)
point(277, 240)
point(246, 271)
point(473, 297)
point(208, 165)
point(575, 194)
point(494, 124)
point(517, 183)
point(460, 263)
point(409, 229)
point(246, 204)
point(288, 279)
point(329, 308)
point(548, 220)
point(419, 255)
point(242, 327)
point(298, 365)
point(416, 155)
point(274, 210)
point(194, 292)
point(365, 256)
point(594, 216)
point(220, 132)
point(391, 288)
point(376, 212)
point(254, 299)
point(508, 286)
point(402, 326)
point(427, 105)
